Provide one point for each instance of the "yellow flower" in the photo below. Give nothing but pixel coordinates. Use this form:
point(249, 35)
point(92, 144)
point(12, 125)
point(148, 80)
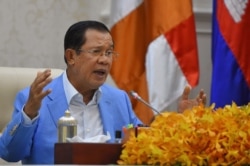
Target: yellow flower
point(199, 136)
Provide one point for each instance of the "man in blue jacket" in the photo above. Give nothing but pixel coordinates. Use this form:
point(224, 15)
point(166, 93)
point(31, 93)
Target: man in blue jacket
point(99, 108)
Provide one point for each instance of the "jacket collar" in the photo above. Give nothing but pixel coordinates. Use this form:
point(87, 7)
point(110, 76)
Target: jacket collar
point(57, 104)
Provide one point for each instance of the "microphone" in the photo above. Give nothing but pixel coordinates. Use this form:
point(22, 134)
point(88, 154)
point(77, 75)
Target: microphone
point(136, 96)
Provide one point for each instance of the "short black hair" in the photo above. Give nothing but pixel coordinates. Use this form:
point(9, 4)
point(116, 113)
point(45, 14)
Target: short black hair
point(75, 35)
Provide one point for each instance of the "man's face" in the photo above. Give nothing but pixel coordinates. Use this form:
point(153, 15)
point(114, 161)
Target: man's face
point(90, 67)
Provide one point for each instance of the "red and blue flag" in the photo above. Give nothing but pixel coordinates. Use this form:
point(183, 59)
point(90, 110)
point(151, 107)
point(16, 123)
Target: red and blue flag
point(230, 52)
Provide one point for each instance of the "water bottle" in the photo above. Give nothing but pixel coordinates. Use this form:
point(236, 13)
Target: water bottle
point(118, 136)
point(67, 127)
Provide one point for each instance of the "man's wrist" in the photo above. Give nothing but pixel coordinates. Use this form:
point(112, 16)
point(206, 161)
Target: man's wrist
point(30, 114)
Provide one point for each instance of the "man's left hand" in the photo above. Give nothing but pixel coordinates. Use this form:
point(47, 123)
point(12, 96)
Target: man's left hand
point(186, 103)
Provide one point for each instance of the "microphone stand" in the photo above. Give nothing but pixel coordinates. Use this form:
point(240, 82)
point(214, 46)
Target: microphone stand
point(136, 96)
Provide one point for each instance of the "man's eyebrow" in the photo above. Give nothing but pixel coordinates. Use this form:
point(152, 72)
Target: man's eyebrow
point(102, 47)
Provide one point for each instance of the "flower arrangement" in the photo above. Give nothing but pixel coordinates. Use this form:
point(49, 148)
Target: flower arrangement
point(199, 136)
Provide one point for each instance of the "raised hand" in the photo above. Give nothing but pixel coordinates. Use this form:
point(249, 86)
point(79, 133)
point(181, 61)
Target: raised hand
point(186, 103)
point(37, 93)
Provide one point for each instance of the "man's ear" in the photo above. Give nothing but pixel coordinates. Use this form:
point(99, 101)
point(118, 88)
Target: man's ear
point(70, 56)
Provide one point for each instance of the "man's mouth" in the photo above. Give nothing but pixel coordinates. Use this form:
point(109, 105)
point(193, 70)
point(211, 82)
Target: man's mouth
point(100, 72)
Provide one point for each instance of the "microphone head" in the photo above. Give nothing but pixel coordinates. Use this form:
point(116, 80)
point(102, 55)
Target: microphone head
point(137, 97)
point(134, 94)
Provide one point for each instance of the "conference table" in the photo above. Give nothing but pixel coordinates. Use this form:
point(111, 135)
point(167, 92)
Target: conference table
point(87, 153)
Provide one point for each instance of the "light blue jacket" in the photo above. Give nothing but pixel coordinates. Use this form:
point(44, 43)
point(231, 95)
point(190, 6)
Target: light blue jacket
point(34, 144)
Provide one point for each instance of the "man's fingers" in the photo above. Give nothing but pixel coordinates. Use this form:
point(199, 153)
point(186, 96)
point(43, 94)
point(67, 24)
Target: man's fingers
point(42, 76)
point(36, 91)
point(204, 99)
point(41, 80)
point(45, 93)
point(201, 93)
point(201, 97)
point(185, 93)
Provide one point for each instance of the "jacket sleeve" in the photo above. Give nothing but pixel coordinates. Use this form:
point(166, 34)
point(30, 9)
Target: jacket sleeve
point(16, 140)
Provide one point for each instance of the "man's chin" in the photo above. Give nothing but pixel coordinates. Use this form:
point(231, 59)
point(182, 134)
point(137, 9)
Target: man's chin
point(98, 84)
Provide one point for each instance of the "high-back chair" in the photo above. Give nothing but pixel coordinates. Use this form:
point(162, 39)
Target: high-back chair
point(13, 79)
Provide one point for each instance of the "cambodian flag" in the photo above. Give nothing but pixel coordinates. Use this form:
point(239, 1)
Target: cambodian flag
point(231, 52)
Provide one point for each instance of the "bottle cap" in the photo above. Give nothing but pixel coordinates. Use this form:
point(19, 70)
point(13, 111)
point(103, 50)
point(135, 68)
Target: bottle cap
point(118, 134)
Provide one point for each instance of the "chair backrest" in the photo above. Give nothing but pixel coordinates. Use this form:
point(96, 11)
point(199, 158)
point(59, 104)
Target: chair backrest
point(12, 80)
